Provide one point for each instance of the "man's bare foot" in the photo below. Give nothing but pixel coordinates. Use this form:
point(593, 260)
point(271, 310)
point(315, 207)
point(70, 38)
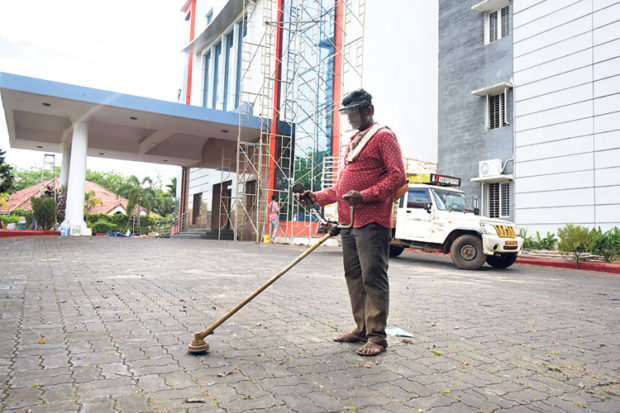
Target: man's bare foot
point(370, 349)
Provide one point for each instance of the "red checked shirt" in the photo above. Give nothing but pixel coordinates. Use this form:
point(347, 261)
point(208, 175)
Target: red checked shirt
point(377, 173)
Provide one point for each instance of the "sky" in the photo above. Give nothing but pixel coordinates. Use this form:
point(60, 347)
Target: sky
point(134, 47)
point(126, 46)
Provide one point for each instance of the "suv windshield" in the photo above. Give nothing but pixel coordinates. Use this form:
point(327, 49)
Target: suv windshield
point(451, 201)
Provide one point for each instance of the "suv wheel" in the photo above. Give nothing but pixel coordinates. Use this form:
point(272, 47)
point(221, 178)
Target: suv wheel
point(501, 260)
point(466, 252)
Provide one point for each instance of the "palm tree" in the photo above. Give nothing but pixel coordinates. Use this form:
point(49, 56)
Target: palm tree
point(90, 202)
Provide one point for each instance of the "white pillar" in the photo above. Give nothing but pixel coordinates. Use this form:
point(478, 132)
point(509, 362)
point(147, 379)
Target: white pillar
point(74, 212)
point(64, 169)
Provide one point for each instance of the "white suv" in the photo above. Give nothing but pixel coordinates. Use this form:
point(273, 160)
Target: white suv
point(439, 218)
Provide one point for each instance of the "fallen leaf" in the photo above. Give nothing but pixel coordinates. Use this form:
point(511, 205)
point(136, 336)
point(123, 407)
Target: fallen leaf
point(368, 365)
point(581, 385)
point(42, 341)
point(259, 324)
point(224, 374)
point(195, 401)
point(407, 341)
point(349, 408)
point(122, 373)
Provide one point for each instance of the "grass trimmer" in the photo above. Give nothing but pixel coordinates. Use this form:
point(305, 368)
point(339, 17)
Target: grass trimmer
point(198, 345)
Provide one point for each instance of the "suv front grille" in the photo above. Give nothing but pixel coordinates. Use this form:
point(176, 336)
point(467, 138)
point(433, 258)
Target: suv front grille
point(505, 231)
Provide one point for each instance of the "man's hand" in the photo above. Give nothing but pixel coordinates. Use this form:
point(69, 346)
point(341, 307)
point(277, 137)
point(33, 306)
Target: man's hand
point(353, 198)
point(307, 195)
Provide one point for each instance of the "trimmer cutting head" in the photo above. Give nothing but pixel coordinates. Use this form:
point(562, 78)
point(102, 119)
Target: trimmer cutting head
point(198, 345)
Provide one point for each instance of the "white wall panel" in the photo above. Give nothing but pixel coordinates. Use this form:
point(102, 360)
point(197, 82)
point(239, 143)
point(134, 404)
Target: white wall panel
point(607, 159)
point(607, 104)
point(557, 115)
point(607, 140)
point(608, 195)
point(553, 84)
point(582, 179)
point(551, 21)
point(570, 129)
point(558, 215)
point(606, 33)
point(556, 148)
point(521, 5)
point(607, 86)
point(608, 213)
point(552, 100)
point(607, 51)
point(553, 52)
point(599, 4)
point(560, 164)
point(555, 67)
point(606, 177)
point(540, 9)
point(553, 35)
point(606, 16)
point(607, 68)
point(606, 123)
point(583, 196)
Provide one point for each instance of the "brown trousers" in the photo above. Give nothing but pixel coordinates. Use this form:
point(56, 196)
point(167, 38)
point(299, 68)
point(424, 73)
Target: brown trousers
point(365, 253)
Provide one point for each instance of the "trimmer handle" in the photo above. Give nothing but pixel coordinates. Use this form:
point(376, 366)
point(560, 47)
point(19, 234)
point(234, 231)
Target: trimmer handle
point(299, 189)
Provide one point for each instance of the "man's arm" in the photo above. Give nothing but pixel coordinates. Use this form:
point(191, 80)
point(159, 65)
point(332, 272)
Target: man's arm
point(395, 176)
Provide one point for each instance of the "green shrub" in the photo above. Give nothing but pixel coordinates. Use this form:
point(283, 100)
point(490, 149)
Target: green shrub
point(546, 243)
point(573, 239)
point(606, 244)
point(44, 211)
point(23, 213)
point(8, 219)
point(528, 243)
point(103, 226)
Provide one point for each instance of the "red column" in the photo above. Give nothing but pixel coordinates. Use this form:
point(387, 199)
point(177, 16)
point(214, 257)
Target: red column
point(275, 118)
point(338, 40)
point(190, 56)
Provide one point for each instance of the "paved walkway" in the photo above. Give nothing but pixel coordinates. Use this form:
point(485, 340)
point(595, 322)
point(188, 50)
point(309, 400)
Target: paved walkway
point(102, 324)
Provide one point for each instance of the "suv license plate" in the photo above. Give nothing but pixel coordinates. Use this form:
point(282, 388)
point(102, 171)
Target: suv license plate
point(511, 243)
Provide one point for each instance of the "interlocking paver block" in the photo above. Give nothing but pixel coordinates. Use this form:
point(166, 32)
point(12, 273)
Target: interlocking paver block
point(117, 315)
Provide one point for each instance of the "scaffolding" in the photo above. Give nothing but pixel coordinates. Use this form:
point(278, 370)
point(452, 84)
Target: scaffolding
point(294, 99)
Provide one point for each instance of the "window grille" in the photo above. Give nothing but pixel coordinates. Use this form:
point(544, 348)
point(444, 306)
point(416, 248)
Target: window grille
point(499, 200)
point(498, 24)
point(498, 110)
point(492, 26)
point(505, 22)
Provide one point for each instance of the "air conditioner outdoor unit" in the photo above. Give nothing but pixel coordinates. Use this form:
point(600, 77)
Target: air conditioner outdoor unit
point(490, 167)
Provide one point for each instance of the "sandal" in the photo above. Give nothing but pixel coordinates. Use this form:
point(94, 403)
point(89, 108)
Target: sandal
point(370, 349)
point(350, 338)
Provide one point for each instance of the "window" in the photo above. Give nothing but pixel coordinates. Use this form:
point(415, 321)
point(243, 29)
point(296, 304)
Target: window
point(216, 73)
point(498, 24)
point(418, 198)
point(230, 37)
point(205, 79)
point(497, 106)
point(208, 17)
point(499, 200)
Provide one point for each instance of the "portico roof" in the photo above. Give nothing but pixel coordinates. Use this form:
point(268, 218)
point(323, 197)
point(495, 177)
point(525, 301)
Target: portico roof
point(39, 115)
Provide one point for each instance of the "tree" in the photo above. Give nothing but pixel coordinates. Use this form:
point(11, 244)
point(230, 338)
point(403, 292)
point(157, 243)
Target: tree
point(90, 202)
point(172, 187)
point(7, 178)
point(32, 176)
point(4, 199)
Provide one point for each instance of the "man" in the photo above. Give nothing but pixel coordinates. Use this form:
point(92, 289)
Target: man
point(373, 172)
point(274, 217)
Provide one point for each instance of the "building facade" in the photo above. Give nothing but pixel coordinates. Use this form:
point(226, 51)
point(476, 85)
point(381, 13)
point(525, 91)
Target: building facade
point(529, 111)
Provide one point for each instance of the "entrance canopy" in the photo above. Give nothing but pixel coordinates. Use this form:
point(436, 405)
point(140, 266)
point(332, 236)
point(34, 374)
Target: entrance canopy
point(40, 115)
